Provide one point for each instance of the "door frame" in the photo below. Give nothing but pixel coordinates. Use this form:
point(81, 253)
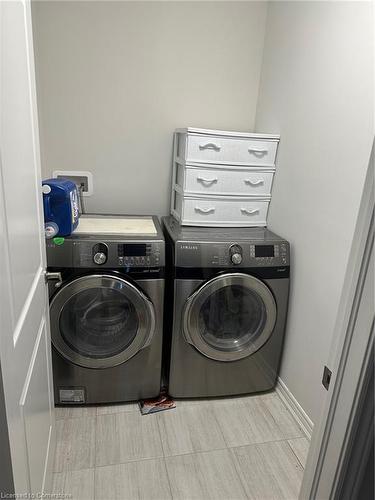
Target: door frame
point(350, 360)
point(6, 478)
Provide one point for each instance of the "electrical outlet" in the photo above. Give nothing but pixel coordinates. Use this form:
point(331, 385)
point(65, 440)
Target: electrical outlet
point(81, 178)
point(327, 375)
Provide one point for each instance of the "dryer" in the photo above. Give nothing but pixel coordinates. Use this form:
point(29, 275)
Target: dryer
point(106, 287)
point(229, 288)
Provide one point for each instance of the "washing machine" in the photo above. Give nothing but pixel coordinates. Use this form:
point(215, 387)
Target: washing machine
point(229, 289)
point(106, 288)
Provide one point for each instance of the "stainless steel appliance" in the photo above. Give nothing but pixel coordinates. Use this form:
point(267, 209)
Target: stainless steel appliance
point(106, 285)
point(229, 289)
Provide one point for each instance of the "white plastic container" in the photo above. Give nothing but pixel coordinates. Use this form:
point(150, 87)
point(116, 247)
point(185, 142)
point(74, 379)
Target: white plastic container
point(222, 211)
point(221, 147)
point(223, 180)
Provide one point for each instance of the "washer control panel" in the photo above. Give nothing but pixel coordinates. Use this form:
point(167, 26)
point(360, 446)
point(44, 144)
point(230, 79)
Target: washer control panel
point(138, 255)
point(119, 254)
point(107, 254)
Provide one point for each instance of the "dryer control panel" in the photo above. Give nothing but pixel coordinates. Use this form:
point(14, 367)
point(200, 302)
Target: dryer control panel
point(269, 253)
point(233, 254)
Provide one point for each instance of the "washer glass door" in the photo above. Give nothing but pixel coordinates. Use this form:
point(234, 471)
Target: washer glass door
point(230, 317)
point(99, 321)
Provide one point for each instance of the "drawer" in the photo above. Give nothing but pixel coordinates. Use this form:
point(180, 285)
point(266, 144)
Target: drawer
point(220, 181)
point(226, 150)
point(219, 211)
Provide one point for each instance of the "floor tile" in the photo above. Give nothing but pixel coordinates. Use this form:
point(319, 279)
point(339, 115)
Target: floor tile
point(224, 400)
point(243, 398)
point(74, 411)
point(203, 476)
point(128, 449)
point(283, 418)
point(121, 408)
point(122, 437)
point(269, 471)
point(134, 480)
point(300, 447)
point(76, 485)
point(75, 446)
point(247, 422)
point(189, 429)
point(192, 402)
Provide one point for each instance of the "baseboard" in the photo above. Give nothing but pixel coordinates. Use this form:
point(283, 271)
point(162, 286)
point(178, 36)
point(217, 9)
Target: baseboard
point(295, 408)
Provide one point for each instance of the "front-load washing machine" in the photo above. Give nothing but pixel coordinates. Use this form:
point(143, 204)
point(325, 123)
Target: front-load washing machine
point(106, 286)
point(229, 289)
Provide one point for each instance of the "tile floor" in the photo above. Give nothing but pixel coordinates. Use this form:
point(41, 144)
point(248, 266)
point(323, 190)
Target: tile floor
point(232, 448)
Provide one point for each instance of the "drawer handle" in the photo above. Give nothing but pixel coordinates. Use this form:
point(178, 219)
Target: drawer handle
point(209, 145)
point(258, 152)
point(206, 181)
point(205, 210)
point(250, 212)
point(254, 183)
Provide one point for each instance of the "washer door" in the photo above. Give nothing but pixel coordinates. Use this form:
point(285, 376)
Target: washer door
point(100, 321)
point(230, 317)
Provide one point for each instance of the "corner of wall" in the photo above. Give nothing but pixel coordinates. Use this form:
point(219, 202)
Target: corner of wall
point(261, 66)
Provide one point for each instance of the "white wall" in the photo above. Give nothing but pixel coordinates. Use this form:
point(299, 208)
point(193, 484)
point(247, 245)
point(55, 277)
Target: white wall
point(316, 91)
point(116, 78)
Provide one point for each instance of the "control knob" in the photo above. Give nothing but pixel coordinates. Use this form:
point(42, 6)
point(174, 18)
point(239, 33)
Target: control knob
point(100, 253)
point(235, 253)
point(100, 258)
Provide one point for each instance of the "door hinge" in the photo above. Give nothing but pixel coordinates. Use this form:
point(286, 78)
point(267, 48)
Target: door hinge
point(53, 277)
point(327, 375)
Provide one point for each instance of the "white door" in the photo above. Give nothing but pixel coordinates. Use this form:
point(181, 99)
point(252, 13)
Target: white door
point(25, 338)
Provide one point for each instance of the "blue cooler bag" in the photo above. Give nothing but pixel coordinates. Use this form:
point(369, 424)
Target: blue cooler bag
point(61, 208)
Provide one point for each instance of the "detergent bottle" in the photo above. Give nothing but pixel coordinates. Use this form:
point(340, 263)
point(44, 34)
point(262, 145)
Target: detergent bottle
point(61, 207)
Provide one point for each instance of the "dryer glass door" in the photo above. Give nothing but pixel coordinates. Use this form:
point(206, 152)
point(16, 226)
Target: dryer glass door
point(230, 317)
point(99, 321)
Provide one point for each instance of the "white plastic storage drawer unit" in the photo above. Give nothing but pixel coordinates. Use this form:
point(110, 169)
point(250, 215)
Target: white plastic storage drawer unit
point(224, 180)
point(222, 211)
point(195, 145)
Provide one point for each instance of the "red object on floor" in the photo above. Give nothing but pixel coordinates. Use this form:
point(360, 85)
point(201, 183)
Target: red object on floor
point(161, 403)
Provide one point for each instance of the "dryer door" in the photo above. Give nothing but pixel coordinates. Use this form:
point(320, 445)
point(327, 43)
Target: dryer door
point(230, 317)
point(100, 321)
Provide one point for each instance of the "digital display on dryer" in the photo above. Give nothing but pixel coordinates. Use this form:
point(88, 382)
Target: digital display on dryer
point(264, 251)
